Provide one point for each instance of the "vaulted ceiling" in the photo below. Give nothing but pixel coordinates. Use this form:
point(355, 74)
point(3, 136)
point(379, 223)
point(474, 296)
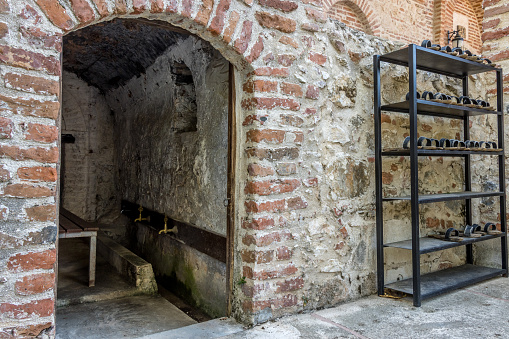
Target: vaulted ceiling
point(108, 54)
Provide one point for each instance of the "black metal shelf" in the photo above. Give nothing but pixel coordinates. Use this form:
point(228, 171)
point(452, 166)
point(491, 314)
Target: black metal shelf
point(438, 152)
point(436, 283)
point(428, 198)
point(419, 58)
point(428, 245)
point(437, 62)
point(426, 107)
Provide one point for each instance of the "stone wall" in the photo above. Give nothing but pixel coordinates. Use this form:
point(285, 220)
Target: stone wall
point(89, 168)
point(304, 219)
point(164, 164)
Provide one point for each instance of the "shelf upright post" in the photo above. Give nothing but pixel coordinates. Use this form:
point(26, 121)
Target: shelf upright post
point(414, 172)
point(501, 168)
point(378, 176)
point(468, 174)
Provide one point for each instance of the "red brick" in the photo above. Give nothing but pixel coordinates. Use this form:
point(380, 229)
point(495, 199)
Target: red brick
point(273, 154)
point(270, 103)
point(156, 6)
point(267, 239)
point(120, 7)
point(83, 11)
point(258, 224)
point(274, 303)
point(172, 6)
point(310, 27)
point(504, 55)
point(30, 14)
point(267, 135)
point(489, 12)
point(275, 21)
point(283, 253)
point(344, 232)
point(256, 50)
point(255, 170)
point(279, 272)
point(339, 245)
point(285, 6)
point(39, 38)
point(41, 213)
point(312, 92)
point(33, 331)
point(490, 24)
point(291, 120)
point(276, 72)
point(232, 24)
point(4, 6)
point(187, 7)
point(39, 308)
point(317, 58)
point(268, 206)
point(5, 175)
point(259, 257)
point(286, 168)
point(27, 191)
point(489, 3)
point(35, 284)
point(387, 178)
point(245, 37)
point(203, 15)
point(32, 261)
point(290, 285)
point(139, 6)
point(6, 128)
point(492, 35)
point(29, 60)
point(296, 203)
point(3, 29)
point(288, 41)
point(310, 111)
point(286, 59)
point(41, 133)
point(31, 107)
point(217, 23)
point(260, 86)
point(102, 7)
point(40, 154)
point(432, 222)
point(56, 13)
point(291, 89)
point(31, 84)
point(37, 173)
point(310, 182)
point(250, 119)
point(386, 118)
point(317, 15)
point(269, 187)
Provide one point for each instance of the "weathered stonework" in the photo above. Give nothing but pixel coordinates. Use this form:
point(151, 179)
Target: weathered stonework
point(304, 223)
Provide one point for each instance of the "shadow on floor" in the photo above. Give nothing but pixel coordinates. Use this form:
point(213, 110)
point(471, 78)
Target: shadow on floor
point(111, 309)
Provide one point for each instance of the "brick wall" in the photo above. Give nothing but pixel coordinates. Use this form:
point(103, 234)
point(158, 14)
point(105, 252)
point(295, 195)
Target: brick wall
point(411, 21)
point(304, 219)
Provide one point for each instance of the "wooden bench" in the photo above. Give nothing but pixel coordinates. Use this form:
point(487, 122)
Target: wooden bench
point(72, 226)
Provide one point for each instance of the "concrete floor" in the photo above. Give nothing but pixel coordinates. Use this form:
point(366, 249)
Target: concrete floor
point(112, 309)
point(478, 311)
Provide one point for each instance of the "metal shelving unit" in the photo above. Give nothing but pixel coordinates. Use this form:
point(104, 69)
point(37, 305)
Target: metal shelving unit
point(432, 284)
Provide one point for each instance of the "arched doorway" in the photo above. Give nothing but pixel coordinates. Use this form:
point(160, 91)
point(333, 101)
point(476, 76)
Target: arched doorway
point(149, 108)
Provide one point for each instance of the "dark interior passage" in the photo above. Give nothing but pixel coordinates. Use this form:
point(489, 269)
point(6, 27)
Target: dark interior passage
point(147, 106)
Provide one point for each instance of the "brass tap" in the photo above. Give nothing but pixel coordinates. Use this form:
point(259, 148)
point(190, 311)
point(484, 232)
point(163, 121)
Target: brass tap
point(140, 218)
point(173, 230)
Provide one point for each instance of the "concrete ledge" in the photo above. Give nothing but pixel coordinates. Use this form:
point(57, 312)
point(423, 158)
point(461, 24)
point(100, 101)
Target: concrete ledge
point(138, 271)
point(216, 328)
